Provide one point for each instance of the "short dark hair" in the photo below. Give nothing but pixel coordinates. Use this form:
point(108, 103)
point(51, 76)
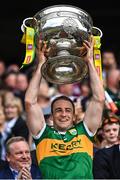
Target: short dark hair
point(65, 98)
point(13, 140)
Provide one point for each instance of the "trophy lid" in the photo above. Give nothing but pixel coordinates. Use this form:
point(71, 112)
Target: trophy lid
point(64, 8)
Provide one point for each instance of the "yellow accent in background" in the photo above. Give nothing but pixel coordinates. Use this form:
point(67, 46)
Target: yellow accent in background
point(97, 56)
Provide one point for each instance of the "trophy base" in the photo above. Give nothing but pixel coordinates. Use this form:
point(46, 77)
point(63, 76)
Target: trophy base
point(64, 69)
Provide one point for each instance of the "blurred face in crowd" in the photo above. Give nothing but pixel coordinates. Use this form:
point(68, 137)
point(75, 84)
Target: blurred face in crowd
point(13, 67)
point(113, 78)
point(2, 116)
point(85, 90)
point(10, 80)
point(19, 155)
point(111, 132)
point(66, 89)
point(8, 96)
point(109, 60)
point(11, 110)
point(21, 82)
point(63, 115)
point(43, 100)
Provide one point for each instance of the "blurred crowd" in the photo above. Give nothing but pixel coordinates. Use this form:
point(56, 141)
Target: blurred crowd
point(13, 85)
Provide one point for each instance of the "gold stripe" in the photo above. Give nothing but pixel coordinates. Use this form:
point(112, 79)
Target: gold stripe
point(54, 147)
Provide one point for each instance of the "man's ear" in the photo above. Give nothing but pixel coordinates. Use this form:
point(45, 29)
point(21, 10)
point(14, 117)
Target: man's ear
point(7, 157)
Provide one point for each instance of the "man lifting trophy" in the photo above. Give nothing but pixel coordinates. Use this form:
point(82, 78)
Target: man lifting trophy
point(65, 35)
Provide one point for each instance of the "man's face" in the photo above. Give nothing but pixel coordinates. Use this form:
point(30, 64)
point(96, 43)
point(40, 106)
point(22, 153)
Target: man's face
point(11, 81)
point(111, 132)
point(19, 155)
point(108, 59)
point(114, 78)
point(21, 82)
point(63, 115)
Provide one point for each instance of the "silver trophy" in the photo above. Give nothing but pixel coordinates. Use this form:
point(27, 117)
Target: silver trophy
point(64, 27)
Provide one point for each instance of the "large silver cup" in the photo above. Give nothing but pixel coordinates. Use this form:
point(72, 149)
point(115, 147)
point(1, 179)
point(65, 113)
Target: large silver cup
point(65, 27)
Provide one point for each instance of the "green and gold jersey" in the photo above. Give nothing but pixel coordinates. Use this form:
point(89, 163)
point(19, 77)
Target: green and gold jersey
point(67, 156)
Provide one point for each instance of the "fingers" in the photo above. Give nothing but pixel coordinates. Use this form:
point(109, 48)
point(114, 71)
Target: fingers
point(86, 43)
point(89, 44)
point(26, 173)
point(44, 46)
point(41, 45)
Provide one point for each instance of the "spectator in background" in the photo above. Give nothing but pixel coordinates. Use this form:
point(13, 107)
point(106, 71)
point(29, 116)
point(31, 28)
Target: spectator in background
point(15, 124)
point(76, 89)
point(19, 166)
point(13, 67)
point(113, 87)
point(10, 80)
point(7, 95)
point(113, 80)
point(21, 86)
point(111, 129)
point(108, 133)
point(65, 89)
point(106, 163)
point(21, 82)
point(108, 62)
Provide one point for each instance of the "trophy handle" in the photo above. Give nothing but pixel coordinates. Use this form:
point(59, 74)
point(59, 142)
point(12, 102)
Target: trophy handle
point(28, 22)
point(96, 31)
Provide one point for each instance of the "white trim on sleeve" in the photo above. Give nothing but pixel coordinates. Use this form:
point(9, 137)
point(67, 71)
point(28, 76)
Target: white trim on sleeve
point(88, 131)
point(40, 133)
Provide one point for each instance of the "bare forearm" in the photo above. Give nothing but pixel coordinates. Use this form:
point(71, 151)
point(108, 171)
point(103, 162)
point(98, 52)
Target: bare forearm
point(95, 82)
point(32, 91)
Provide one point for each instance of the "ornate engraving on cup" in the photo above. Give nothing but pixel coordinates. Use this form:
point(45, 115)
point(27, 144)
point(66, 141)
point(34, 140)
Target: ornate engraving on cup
point(70, 26)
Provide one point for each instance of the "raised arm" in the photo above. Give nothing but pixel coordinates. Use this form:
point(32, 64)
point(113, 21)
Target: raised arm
point(35, 117)
point(93, 114)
